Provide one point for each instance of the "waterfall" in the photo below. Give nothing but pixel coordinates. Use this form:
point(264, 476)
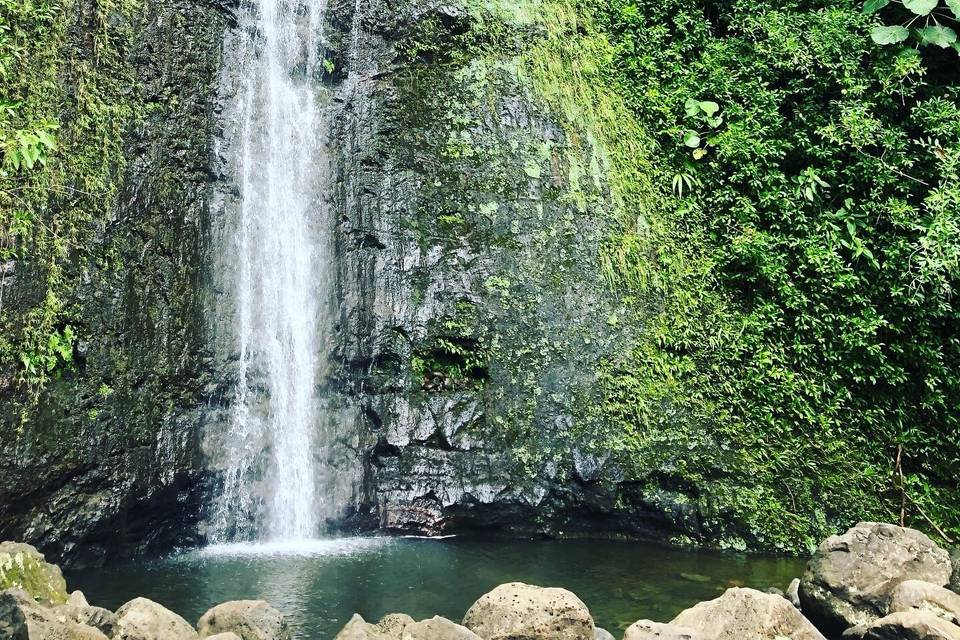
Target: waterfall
point(276, 266)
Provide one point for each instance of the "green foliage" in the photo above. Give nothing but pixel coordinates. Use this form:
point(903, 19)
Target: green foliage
point(804, 271)
point(64, 106)
point(457, 356)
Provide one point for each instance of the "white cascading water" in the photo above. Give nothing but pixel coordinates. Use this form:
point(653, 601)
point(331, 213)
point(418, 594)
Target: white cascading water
point(277, 255)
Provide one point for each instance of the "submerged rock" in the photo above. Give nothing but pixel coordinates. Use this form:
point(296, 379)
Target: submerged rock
point(142, 619)
point(23, 567)
point(402, 627)
point(793, 592)
point(648, 630)
point(911, 625)
point(515, 611)
point(849, 580)
point(602, 634)
point(746, 613)
point(249, 619)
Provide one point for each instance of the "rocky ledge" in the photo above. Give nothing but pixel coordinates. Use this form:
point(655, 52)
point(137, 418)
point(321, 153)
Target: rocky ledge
point(875, 582)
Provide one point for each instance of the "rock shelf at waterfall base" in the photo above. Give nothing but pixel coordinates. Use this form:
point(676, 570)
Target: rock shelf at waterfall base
point(875, 582)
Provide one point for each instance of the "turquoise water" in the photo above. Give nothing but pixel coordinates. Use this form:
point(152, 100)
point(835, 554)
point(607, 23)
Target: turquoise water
point(319, 585)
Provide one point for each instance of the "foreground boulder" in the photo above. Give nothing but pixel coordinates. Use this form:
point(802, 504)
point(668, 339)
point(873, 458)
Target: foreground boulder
point(850, 578)
point(23, 567)
point(22, 618)
point(403, 627)
point(647, 630)
point(518, 611)
point(249, 619)
point(96, 617)
point(747, 613)
point(923, 596)
point(142, 619)
point(910, 625)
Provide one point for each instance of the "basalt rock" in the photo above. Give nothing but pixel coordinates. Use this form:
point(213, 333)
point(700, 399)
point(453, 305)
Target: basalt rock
point(649, 630)
point(108, 462)
point(747, 613)
point(472, 311)
point(143, 619)
point(403, 627)
point(850, 579)
point(22, 618)
point(23, 567)
point(249, 619)
point(97, 617)
point(911, 625)
point(517, 611)
point(923, 596)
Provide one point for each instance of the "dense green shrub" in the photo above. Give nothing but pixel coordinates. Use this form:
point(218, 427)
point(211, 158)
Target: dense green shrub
point(806, 267)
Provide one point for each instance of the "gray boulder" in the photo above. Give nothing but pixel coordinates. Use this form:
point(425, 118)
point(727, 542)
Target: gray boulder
point(648, 630)
point(142, 619)
point(96, 617)
point(403, 627)
point(226, 635)
point(747, 613)
point(22, 618)
point(911, 625)
point(923, 596)
point(78, 599)
point(849, 580)
point(249, 619)
point(23, 567)
point(518, 611)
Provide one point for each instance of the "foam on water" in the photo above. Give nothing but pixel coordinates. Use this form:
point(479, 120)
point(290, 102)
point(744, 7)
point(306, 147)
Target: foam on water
point(304, 548)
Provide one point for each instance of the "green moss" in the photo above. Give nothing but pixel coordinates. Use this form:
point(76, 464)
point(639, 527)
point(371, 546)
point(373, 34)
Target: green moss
point(22, 567)
point(76, 83)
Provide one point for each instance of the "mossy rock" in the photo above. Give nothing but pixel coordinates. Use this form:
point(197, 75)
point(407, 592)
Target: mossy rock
point(24, 567)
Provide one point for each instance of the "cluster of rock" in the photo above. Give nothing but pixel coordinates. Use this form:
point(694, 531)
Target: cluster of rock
point(875, 582)
point(35, 605)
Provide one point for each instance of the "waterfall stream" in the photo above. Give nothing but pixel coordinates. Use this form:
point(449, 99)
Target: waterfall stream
point(276, 262)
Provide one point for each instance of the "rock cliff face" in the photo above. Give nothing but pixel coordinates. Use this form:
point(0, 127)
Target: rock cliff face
point(473, 311)
point(107, 460)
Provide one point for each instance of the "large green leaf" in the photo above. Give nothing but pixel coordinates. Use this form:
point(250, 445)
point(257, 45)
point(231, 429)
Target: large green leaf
point(709, 107)
point(938, 35)
point(889, 35)
point(955, 7)
point(921, 7)
point(872, 6)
